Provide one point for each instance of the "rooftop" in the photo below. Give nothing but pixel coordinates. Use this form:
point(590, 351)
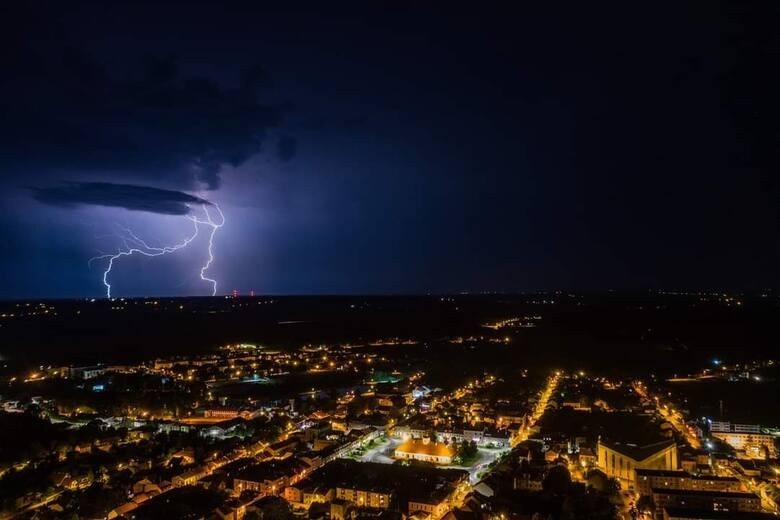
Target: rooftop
point(681, 474)
point(419, 447)
point(636, 452)
point(408, 483)
point(703, 514)
point(270, 470)
point(712, 494)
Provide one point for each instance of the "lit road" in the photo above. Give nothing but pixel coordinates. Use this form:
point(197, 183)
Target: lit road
point(382, 451)
point(539, 409)
point(672, 416)
point(484, 458)
point(46, 500)
point(538, 412)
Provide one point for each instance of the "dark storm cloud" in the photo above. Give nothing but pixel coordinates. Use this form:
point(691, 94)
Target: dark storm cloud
point(257, 78)
point(144, 120)
point(128, 196)
point(286, 148)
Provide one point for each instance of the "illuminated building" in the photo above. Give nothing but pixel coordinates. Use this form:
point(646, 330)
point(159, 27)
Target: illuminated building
point(720, 501)
point(648, 479)
point(377, 497)
point(306, 495)
point(86, 372)
point(435, 503)
point(682, 513)
point(621, 460)
point(269, 477)
point(744, 437)
point(220, 413)
point(426, 451)
point(506, 419)
point(189, 477)
point(433, 507)
point(726, 426)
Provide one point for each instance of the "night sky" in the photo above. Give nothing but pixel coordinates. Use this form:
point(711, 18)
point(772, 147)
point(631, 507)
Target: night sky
point(389, 147)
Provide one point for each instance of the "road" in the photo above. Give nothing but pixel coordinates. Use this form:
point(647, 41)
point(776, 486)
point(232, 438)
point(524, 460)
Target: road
point(484, 458)
point(672, 416)
point(31, 507)
point(382, 451)
point(539, 409)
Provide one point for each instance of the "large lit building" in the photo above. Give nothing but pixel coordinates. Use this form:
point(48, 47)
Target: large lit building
point(220, 413)
point(433, 505)
point(648, 479)
point(715, 501)
point(621, 460)
point(426, 451)
point(744, 437)
point(684, 513)
point(376, 497)
point(86, 372)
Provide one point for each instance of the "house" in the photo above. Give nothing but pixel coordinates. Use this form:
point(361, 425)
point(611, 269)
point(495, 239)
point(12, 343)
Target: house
point(189, 477)
point(710, 500)
point(146, 486)
point(269, 477)
point(122, 510)
point(283, 448)
point(649, 479)
point(426, 451)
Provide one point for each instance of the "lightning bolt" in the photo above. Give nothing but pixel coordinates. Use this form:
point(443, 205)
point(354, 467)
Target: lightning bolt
point(214, 227)
point(135, 245)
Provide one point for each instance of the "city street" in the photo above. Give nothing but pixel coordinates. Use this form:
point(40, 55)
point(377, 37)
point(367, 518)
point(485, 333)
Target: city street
point(382, 451)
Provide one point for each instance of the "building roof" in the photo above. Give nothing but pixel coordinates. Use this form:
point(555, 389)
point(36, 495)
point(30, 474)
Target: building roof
point(662, 473)
point(698, 493)
point(270, 470)
point(681, 474)
point(433, 449)
point(705, 514)
point(125, 508)
point(636, 452)
point(748, 464)
point(283, 444)
point(408, 483)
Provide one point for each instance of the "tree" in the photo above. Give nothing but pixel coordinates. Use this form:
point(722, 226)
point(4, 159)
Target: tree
point(96, 501)
point(467, 450)
point(557, 481)
point(247, 495)
point(593, 506)
point(599, 480)
point(645, 504)
point(274, 508)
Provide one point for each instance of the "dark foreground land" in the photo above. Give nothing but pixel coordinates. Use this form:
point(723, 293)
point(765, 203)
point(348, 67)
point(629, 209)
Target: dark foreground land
point(609, 331)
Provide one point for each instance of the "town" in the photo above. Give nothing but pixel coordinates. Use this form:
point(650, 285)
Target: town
point(363, 430)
